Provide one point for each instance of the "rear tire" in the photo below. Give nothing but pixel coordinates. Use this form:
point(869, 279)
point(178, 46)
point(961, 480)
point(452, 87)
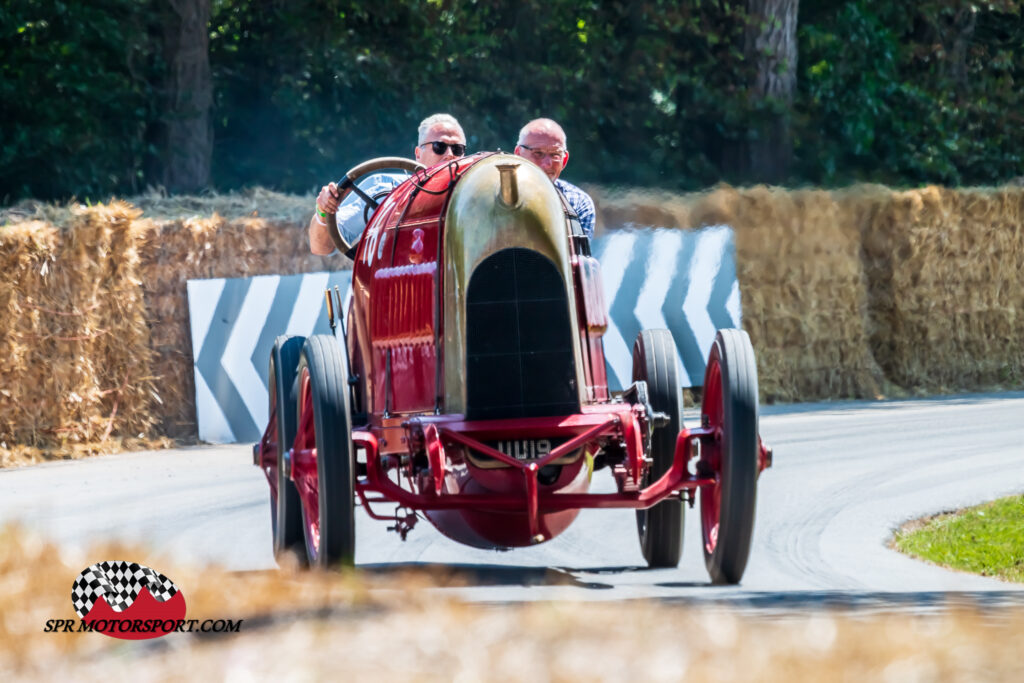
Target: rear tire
point(286, 510)
point(660, 528)
point(730, 404)
point(332, 541)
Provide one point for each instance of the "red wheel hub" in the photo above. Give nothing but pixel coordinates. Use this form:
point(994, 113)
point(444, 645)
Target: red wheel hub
point(304, 470)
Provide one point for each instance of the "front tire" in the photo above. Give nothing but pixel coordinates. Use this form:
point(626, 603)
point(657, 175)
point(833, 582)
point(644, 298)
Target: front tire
point(729, 407)
point(286, 508)
point(660, 527)
point(323, 381)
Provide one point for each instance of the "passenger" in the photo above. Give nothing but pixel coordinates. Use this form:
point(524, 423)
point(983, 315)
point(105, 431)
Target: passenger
point(440, 140)
point(542, 141)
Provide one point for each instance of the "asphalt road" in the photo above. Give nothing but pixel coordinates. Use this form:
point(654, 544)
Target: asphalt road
point(845, 476)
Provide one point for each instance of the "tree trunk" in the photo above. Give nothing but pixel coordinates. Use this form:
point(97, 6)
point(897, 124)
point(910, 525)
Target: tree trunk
point(770, 46)
point(186, 128)
point(958, 42)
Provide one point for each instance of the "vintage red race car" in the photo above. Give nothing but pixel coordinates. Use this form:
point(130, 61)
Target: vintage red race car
point(470, 388)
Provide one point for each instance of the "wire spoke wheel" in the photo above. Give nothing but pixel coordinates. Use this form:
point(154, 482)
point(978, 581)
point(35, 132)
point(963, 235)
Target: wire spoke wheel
point(660, 528)
point(329, 524)
point(730, 410)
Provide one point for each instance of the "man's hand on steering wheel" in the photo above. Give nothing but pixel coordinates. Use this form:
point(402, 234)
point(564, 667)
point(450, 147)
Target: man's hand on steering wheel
point(333, 194)
point(329, 199)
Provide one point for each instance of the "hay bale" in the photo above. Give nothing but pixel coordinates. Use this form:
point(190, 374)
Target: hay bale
point(946, 295)
point(800, 276)
point(75, 340)
point(213, 246)
point(96, 331)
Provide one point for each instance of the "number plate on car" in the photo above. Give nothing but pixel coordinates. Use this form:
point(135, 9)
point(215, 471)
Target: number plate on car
point(523, 449)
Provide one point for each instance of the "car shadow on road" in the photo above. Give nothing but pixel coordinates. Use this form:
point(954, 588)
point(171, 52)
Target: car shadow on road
point(459, 575)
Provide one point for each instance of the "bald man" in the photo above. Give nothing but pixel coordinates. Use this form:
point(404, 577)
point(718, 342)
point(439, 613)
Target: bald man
point(542, 141)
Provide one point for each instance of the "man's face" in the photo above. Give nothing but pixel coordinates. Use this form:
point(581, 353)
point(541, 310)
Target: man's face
point(444, 133)
point(546, 150)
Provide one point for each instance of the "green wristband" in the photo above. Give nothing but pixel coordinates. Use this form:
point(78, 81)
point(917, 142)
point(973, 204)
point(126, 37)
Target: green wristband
point(320, 211)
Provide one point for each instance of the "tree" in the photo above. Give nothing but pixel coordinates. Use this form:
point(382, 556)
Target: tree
point(770, 46)
point(75, 97)
point(184, 130)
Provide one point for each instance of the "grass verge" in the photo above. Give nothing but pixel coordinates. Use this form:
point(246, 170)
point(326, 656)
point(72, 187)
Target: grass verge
point(986, 540)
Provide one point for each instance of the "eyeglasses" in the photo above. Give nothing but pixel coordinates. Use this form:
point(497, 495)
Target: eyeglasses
point(458, 149)
point(537, 153)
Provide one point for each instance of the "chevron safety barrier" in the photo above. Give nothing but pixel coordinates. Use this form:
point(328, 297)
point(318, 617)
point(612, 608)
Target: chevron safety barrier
point(684, 281)
point(680, 280)
point(234, 323)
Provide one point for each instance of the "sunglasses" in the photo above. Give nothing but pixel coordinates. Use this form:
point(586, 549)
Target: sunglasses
point(458, 149)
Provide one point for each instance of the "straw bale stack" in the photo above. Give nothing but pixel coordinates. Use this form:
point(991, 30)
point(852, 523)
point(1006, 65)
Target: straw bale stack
point(95, 334)
point(946, 292)
point(843, 293)
point(177, 250)
point(623, 208)
point(801, 280)
point(73, 335)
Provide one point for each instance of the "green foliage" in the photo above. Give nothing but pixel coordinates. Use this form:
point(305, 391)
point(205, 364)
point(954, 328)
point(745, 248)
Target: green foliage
point(881, 99)
point(650, 92)
point(986, 540)
point(644, 89)
point(75, 97)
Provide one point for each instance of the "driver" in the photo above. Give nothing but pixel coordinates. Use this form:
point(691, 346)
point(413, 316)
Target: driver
point(440, 140)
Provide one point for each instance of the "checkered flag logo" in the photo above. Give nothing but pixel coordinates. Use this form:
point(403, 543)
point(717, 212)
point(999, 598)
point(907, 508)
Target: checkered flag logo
point(119, 583)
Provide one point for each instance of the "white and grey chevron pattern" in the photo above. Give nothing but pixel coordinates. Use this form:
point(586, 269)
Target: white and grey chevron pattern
point(684, 281)
point(680, 280)
point(234, 323)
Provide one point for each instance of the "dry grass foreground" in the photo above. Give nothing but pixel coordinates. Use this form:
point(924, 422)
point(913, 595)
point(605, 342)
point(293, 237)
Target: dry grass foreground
point(312, 626)
point(856, 293)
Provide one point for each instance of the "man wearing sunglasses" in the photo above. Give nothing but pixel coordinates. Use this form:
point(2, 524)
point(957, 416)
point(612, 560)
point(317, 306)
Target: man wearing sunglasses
point(542, 141)
point(440, 140)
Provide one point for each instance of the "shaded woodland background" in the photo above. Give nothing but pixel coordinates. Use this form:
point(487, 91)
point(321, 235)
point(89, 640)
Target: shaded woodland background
point(113, 96)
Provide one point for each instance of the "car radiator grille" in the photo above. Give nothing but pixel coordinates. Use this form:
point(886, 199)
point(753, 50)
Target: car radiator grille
point(519, 339)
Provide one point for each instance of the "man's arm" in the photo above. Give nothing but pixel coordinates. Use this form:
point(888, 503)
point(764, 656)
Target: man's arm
point(320, 242)
point(346, 218)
